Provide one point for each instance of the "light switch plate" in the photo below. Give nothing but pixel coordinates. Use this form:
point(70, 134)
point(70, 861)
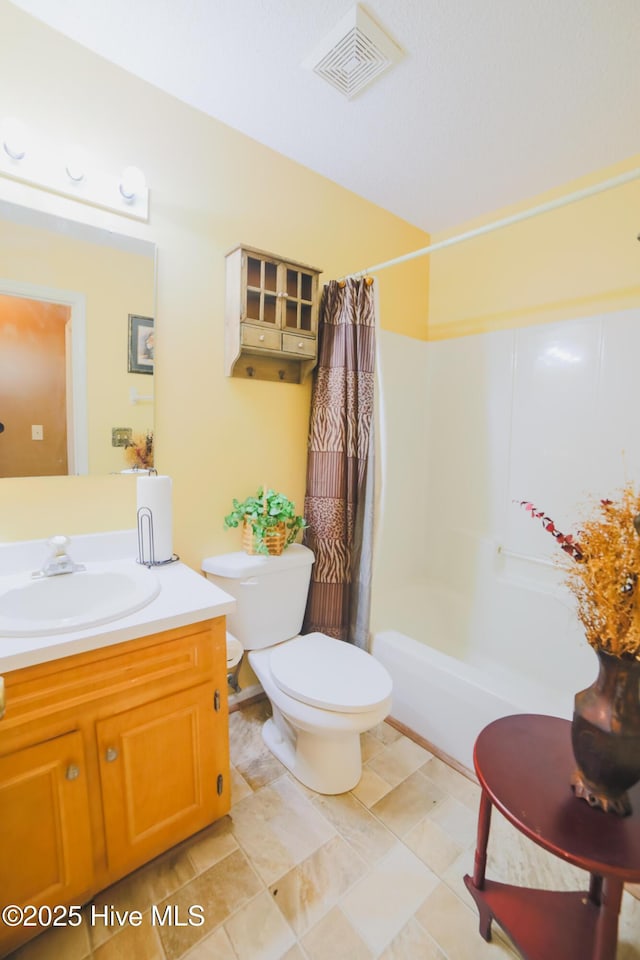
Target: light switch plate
point(37, 432)
point(121, 436)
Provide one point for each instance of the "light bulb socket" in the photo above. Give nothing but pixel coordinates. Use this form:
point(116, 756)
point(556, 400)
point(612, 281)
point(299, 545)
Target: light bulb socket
point(132, 183)
point(74, 174)
point(15, 154)
point(14, 137)
point(76, 163)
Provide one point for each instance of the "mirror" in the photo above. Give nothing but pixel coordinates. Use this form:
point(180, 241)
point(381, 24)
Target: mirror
point(77, 311)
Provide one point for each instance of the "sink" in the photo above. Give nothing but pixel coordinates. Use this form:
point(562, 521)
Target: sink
point(74, 601)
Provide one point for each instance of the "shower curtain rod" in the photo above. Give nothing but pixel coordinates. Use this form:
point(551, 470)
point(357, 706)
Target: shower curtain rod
point(504, 222)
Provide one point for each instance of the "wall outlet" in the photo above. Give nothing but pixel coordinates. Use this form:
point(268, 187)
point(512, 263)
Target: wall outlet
point(121, 436)
point(37, 432)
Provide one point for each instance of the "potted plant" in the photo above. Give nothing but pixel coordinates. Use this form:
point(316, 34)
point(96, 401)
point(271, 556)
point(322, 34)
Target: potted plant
point(269, 522)
point(605, 580)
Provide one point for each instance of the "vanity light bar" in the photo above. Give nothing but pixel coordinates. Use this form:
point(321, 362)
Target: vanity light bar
point(70, 173)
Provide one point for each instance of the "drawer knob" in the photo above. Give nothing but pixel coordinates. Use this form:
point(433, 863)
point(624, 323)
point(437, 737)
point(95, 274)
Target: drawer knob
point(72, 772)
point(110, 754)
point(300, 344)
point(261, 337)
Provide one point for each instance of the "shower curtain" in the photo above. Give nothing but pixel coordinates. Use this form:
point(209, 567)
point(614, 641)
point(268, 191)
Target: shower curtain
point(339, 496)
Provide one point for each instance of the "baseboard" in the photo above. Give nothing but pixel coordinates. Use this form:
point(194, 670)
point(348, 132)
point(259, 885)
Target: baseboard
point(246, 697)
point(431, 747)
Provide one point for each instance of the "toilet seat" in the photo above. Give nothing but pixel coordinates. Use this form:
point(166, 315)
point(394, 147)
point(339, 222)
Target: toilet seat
point(330, 674)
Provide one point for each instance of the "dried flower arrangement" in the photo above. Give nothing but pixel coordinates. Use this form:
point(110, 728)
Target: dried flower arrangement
point(139, 451)
point(605, 576)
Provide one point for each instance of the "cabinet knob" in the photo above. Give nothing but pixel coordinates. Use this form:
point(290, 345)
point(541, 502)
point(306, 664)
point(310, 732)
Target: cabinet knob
point(300, 344)
point(261, 337)
point(110, 754)
point(72, 772)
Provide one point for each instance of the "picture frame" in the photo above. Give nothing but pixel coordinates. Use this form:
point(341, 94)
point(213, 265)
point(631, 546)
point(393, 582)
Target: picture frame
point(141, 346)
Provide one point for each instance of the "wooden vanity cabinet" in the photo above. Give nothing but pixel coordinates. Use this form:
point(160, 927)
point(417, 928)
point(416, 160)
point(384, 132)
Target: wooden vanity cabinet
point(47, 850)
point(108, 758)
point(159, 775)
point(271, 316)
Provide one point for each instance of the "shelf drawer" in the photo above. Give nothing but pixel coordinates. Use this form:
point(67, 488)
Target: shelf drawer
point(170, 660)
point(261, 338)
point(302, 346)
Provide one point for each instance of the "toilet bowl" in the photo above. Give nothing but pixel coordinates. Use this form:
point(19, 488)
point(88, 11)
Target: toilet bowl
point(324, 693)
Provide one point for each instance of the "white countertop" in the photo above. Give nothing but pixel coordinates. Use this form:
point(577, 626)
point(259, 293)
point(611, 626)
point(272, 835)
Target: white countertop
point(185, 597)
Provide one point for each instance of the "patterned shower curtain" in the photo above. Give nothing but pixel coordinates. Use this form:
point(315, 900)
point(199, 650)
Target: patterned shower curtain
point(339, 497)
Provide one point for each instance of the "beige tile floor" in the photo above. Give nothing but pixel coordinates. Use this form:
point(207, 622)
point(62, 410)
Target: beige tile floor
point(290, 874)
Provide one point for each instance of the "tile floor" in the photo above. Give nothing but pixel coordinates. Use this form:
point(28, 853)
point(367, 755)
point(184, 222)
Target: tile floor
point(290, 874)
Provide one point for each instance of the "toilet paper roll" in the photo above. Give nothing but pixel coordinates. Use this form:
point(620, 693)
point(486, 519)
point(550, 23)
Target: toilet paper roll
point(154, 492)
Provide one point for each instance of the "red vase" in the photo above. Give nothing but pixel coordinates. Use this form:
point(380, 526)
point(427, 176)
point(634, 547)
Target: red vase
point(605, 734)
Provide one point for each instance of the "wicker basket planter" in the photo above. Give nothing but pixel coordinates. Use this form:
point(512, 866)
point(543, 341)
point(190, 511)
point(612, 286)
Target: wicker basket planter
point(274, 541)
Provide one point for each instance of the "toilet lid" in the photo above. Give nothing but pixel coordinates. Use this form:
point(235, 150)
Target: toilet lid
point(330, 674)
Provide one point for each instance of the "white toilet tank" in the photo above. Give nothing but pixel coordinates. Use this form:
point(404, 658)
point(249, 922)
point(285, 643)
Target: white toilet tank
point(271, 593)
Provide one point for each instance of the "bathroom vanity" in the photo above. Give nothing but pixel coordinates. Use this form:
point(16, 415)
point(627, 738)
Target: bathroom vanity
point(113, 745)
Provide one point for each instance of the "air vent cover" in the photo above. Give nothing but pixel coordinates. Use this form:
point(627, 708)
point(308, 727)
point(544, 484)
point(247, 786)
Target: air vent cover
point(353, 54)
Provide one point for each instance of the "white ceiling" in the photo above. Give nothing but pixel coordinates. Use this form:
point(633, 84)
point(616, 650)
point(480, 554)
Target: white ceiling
point(494, 101)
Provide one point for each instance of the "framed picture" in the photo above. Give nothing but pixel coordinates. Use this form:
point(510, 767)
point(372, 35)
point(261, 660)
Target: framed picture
point(141, 347)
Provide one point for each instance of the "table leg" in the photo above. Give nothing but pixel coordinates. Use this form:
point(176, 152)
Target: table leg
point(484, 824)
point(476, 883)
point(607, 929)
point(595, 889)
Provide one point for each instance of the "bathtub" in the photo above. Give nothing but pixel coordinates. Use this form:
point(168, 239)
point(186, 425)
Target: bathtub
point(455, 667)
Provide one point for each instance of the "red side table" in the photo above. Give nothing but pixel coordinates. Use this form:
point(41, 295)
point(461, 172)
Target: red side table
point(524, 764)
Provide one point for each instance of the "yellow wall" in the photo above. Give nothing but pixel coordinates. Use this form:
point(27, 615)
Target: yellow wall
point(211, 188)
point(579, 260)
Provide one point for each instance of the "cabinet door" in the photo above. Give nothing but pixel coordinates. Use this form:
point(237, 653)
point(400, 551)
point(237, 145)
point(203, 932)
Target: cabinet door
point(261, 291)
point(46, 852)
point(164, 774)
point(300, 293)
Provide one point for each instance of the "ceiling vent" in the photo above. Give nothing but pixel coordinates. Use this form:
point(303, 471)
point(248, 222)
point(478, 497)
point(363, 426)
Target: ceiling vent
point(353, 54)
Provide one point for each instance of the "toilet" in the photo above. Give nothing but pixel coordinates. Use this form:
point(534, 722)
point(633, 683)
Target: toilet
point(324, 693)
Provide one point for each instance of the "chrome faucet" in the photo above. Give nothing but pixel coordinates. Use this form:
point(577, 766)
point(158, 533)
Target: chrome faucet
point(59, 562)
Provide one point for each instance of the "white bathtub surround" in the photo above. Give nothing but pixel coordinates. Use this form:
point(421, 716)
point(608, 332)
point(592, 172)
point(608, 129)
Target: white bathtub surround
point(456, 668)
point(185, 597)
point(470, 615)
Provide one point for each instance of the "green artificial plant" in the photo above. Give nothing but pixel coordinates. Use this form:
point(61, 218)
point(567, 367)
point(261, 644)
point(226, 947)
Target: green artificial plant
point(264, 512)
